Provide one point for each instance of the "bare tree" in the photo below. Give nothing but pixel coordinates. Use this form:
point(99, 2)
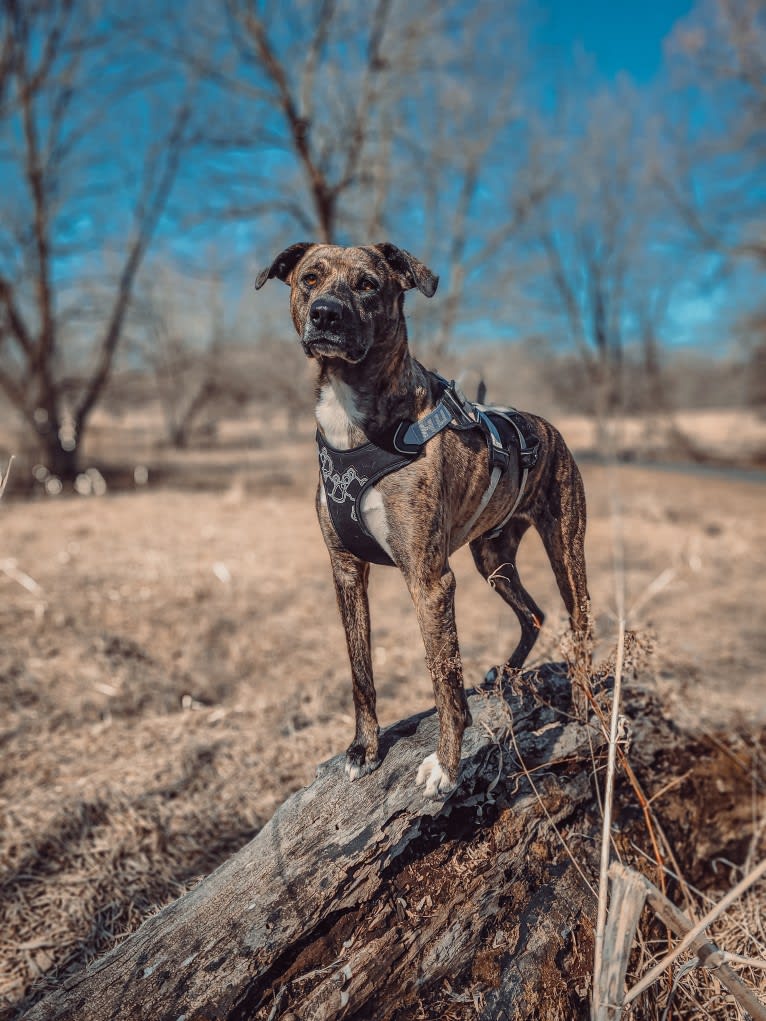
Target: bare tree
point(183, 337)
point(330, 161)
point(468, 150)
point(306, 85)
point(360, 122)
point(752, 337)
point(717, 126)
point(716, 157)
point(603, 277)
point(63, 87)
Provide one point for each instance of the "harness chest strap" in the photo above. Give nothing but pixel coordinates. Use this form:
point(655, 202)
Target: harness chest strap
point(348, 474)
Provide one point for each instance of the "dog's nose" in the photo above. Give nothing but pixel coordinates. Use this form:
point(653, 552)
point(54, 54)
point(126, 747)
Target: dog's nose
point(326, 312)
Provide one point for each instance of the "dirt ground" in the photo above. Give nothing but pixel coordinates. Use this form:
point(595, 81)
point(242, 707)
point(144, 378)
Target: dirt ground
point(172, 667)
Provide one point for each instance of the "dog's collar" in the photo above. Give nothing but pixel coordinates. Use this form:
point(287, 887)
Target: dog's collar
point(453, 410)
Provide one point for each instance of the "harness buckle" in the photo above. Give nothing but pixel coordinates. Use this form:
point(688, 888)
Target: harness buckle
point(528, 457)
point(411, 447)
point(466, 414)
point(499, 458)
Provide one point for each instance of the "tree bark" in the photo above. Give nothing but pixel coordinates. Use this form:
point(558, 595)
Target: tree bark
point(367, 900)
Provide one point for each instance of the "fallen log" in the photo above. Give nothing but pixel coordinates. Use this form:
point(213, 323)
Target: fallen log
point(368, 900)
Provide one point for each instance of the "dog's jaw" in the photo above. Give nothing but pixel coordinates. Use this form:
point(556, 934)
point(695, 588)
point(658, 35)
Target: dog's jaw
point(364, 400)
point(327, 347)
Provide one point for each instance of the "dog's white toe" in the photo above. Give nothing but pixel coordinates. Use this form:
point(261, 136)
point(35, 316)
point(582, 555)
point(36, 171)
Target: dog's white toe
point(431, 774)
point(355, 770)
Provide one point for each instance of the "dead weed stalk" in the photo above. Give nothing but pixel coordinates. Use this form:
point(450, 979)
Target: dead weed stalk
point(630, 890)
point(4, 478)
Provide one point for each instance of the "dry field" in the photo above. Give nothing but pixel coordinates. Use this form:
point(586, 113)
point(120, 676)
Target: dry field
point(172, 667)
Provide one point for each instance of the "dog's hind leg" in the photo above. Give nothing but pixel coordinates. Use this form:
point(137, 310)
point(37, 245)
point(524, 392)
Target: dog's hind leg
point(496, 560)
point(561, 524)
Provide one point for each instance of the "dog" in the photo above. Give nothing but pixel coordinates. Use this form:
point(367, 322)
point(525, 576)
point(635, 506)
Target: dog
point(375, 401)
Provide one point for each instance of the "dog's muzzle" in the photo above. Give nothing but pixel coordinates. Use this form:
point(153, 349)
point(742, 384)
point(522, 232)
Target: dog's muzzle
point(331, 330)
point(327, 313)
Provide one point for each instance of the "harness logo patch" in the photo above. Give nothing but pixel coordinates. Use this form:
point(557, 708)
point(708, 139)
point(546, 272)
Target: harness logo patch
point(337, 485)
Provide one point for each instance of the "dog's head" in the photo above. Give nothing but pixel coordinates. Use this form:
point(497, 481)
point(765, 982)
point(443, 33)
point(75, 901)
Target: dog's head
point(344, 300)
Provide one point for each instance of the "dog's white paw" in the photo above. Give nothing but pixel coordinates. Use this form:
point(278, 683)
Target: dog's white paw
point(354, 770)
point(434, 777)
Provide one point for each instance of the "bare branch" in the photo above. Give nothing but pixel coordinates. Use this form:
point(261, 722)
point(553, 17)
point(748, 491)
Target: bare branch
point(324, 22)
point(719, 62)
point(299, 127)
point(373, 65)
point(15, 319)
point(147, 218)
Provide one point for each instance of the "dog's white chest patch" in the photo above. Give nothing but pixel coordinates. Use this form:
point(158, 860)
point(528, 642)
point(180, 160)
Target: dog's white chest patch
point(336, 413)
point(373, 512)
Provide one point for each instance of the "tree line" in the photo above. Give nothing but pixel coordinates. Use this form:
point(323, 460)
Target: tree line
point(149, 162)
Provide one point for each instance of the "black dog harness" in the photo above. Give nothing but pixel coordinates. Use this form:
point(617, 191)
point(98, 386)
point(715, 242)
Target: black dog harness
point(348, 474)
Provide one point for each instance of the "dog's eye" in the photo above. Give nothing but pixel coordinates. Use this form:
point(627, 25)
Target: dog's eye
point(309, 279)
point(368, 284)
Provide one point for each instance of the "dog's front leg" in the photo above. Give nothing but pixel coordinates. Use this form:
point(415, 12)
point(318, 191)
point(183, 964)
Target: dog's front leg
point(434, 598)
point(350, 576)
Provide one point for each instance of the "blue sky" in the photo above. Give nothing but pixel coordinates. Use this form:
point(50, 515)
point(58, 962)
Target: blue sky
point(619, 36)
point(579, 49)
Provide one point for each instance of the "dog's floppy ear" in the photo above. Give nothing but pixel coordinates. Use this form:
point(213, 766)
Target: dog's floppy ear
point(412, 272)
point(284, 264)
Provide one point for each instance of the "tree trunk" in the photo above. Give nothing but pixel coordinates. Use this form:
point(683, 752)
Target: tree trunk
point(367, 900)
point(179, 438)
point(60, 461)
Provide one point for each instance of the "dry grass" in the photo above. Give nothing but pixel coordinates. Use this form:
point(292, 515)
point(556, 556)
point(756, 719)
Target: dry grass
point(690, 992)
point(737, 436)
point(177, 668)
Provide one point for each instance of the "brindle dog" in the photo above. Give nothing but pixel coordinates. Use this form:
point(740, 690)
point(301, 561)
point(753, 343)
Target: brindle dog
point(347, 305)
